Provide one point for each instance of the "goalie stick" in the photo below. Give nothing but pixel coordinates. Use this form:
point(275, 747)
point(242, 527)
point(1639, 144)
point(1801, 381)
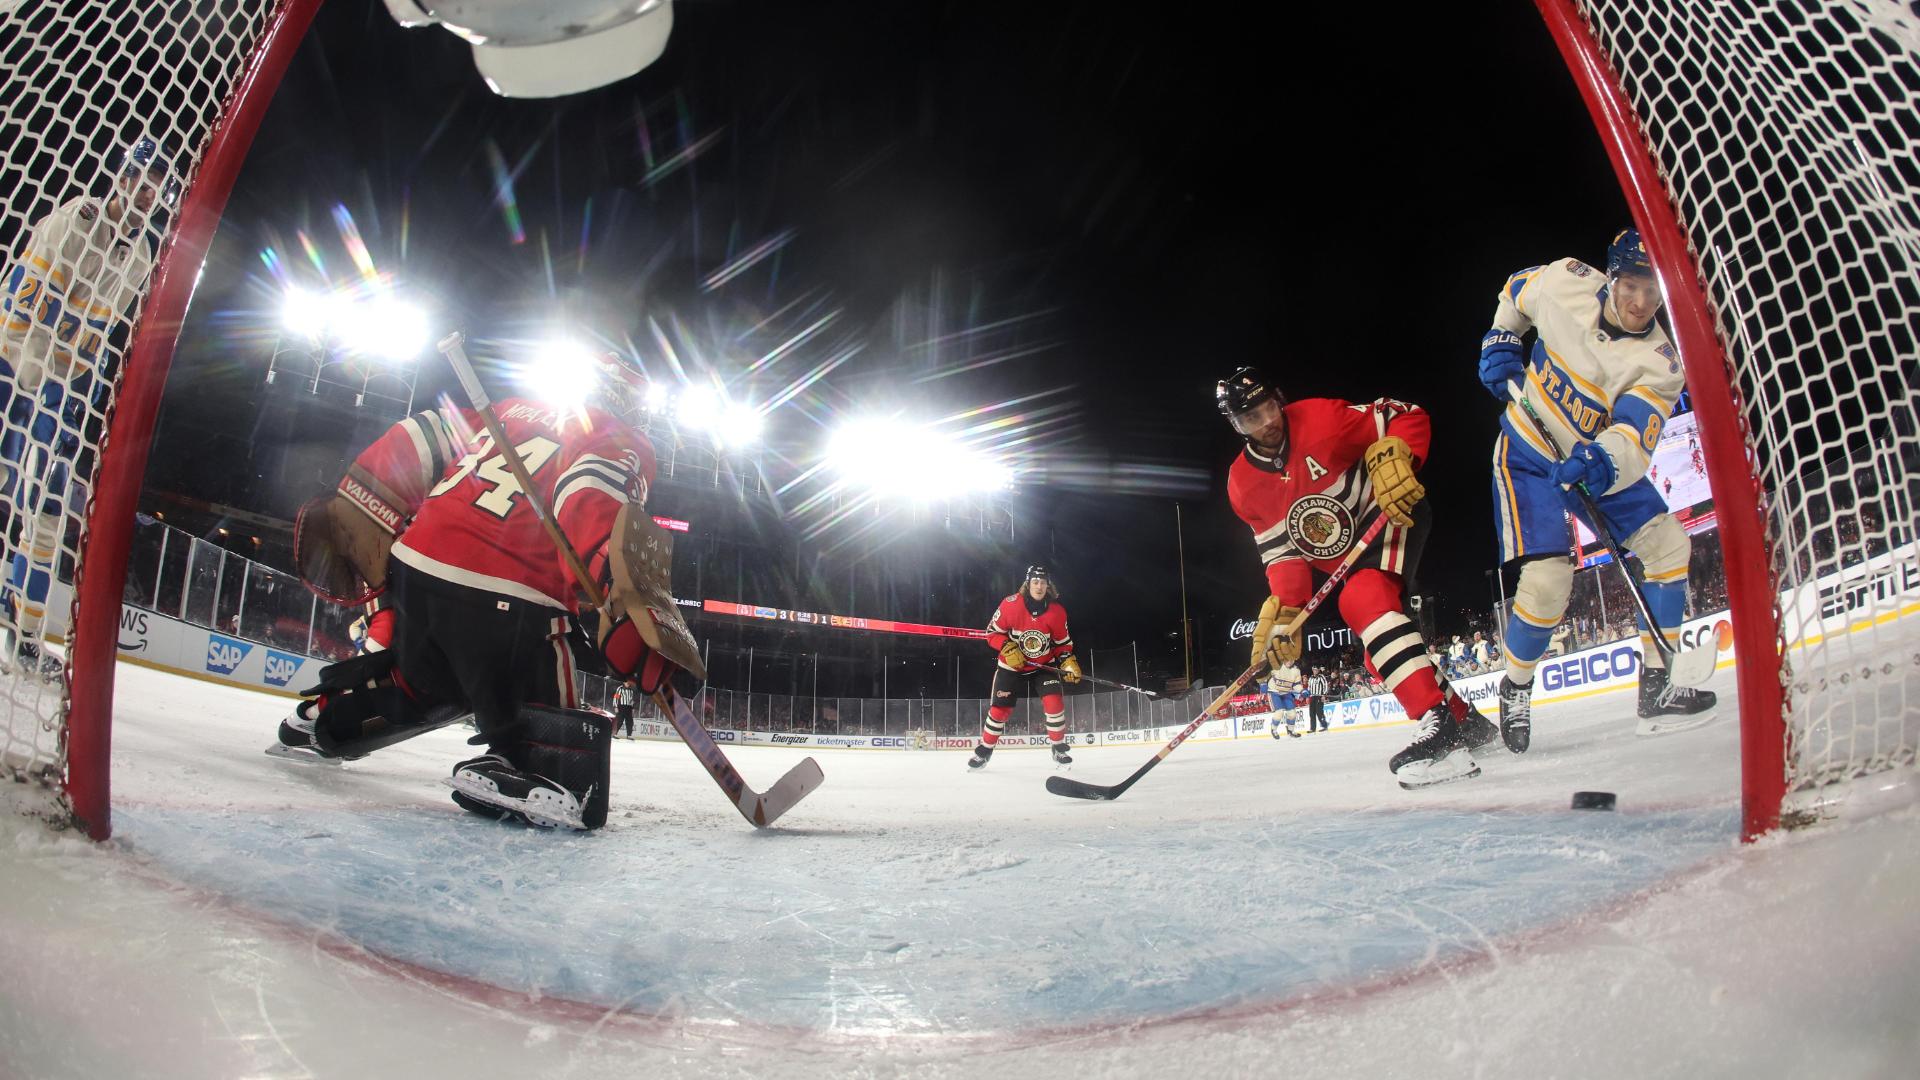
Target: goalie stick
point(1109, 683)
point(1078, 789)
point(760, 809)
point(1691, 668)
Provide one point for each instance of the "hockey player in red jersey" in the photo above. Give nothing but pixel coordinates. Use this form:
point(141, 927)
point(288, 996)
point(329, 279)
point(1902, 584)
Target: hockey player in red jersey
point(1029, 628)
point(342, 540)
point(484, 602)
point(1305, 482)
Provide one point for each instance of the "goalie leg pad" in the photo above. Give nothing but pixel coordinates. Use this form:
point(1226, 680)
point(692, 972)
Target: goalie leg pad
point(571, 747)
point(363, 672)
point(355, 723)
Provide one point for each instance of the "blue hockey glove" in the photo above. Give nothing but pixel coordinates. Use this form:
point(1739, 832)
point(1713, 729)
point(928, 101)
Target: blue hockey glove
point(1502, 358)
point(1589, 464)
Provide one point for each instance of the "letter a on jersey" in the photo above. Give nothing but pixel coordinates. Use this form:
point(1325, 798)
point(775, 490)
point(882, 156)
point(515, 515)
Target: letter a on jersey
point(1315, 470)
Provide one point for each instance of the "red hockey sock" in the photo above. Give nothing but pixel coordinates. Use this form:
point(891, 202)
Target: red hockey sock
point(996, 725)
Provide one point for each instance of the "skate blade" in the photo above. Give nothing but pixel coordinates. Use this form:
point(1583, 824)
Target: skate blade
point(1668, 725)
point(1448, 779)
point(303, 757)
point(543, 810)
point(1458, 765)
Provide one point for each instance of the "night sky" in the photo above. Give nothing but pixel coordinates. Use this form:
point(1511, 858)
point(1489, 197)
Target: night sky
point(1154, 201)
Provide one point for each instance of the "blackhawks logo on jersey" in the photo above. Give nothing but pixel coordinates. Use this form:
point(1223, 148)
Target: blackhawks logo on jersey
point(1321, 526)
point(1032, 642)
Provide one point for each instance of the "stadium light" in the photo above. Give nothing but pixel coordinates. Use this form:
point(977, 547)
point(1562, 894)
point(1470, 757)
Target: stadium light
point(901, 460)
point(304, 313)
point(698, 408)
point(381, 327)
point(561, 373)
point(742, 426)
point(658, 397)
point(391, 330)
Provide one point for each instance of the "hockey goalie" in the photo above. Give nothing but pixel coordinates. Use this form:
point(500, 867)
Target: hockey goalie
point(476, 603)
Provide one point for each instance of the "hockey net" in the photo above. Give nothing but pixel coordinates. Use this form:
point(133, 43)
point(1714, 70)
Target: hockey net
point(122, 124)
point(1771, 152)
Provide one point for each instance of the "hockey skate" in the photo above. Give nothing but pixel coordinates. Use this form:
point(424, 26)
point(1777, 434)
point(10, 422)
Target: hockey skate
point(1437, 755)
point(491, 786)
point(981, 755)
point(1477, 730)
point(1060, 755)
point(1516, 715)
point(1665, 708)
point(32, 662)
point(300, 739)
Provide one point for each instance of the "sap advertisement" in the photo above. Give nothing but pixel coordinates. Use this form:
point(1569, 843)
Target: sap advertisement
point(151, 638)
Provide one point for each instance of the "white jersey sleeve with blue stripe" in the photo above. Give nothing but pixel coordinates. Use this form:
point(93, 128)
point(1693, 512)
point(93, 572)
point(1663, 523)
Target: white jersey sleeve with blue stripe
point(1587, 380)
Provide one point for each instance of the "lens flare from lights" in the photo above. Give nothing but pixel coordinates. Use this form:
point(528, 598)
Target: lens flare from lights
point(658, 397)
point(304, 313)
point(895, 459)
point(561, 373)
point(742, 425)
point(389, 329)
point(699, 408)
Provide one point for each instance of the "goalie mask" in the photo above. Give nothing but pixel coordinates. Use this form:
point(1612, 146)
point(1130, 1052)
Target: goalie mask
point(619, 387)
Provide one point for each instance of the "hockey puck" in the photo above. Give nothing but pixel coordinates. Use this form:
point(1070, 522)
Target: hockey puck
point(1593, 800)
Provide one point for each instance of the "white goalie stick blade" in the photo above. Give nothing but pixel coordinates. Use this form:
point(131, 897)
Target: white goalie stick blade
point(1668, 725)
point(1458, 765)
point(760, 809)
point(1695, 666)
point(542, 807)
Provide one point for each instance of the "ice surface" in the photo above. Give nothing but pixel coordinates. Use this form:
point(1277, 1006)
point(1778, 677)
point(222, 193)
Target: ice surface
point(1252, 908)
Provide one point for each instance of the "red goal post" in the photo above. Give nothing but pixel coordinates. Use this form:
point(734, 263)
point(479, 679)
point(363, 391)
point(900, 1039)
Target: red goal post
point(1767, 152)
point(81, 82)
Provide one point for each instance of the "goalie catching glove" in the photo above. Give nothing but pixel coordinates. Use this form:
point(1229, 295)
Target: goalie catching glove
point(1271, 644)
point(1390, 467)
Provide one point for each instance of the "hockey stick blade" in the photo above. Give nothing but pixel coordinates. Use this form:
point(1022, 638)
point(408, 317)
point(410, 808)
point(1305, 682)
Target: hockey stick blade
point(760, 809)
point(1074, 789)
point(1695, 666)
point(1077, 789)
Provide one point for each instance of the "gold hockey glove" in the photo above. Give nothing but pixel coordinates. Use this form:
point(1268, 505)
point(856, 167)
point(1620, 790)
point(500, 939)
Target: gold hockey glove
point(1390, 466)
point(1011, 655)
point(1271, 645)
point(1070, 670)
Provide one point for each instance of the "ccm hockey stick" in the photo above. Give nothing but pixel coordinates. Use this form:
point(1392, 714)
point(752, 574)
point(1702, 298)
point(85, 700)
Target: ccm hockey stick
point(1691, 668)
point(1108, 683)
point(761, 809)
point(1076, 789)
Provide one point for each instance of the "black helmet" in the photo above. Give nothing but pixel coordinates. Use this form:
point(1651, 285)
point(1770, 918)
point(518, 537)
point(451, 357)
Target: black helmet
point(1038, 571)
point(1242, 391)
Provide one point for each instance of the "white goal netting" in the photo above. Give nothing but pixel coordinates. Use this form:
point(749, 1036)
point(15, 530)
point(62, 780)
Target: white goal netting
point(106, 110)
point(1787, 135)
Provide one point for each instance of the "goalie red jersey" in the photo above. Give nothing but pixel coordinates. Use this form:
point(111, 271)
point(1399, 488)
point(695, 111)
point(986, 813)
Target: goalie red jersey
point(1305, 503)
point(1043, 638)
point(390, 479)
point(477, 529)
